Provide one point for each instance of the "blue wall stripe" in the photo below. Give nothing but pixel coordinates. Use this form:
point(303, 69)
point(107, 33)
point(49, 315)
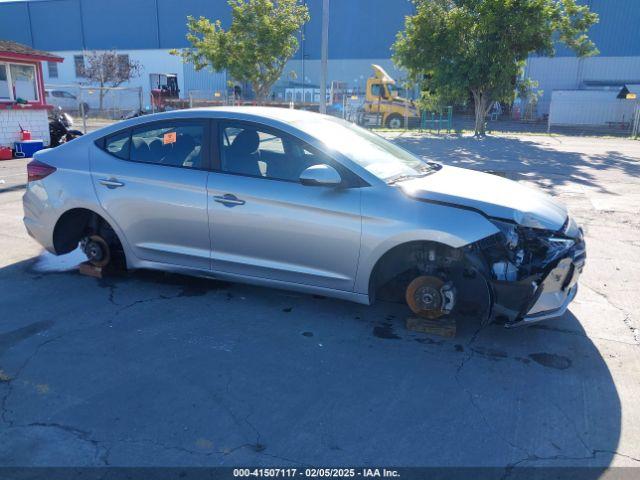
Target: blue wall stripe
point(14, 19)
point(358, 28)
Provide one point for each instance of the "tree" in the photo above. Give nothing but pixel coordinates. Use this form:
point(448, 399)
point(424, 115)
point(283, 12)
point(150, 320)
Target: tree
point(457, 47)
point(528, 93)
point(255, 48)
point(109, 70)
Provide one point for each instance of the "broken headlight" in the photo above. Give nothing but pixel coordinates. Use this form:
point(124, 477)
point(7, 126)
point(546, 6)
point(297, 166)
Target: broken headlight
point(510, 232)
point(505, 264)
point(571, 229)
point(523, 251)
point(557, 246)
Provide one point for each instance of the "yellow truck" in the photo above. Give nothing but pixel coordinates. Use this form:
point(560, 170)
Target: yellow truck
point(383, 106)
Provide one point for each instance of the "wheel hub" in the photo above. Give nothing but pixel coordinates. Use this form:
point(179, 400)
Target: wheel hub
point(94, 252)
point(430, 297)
point(97, 250)
point(395, 123)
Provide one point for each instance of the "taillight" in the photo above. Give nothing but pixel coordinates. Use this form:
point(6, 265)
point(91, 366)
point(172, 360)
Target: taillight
point(37, 170)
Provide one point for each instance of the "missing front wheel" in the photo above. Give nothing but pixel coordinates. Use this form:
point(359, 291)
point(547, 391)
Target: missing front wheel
point(430, 297)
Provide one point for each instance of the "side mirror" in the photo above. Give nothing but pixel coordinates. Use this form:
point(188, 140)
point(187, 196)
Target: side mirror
point(320, 175)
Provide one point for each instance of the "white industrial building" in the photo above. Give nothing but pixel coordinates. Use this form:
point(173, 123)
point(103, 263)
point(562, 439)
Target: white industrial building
point(152, 28)
point(591, 108)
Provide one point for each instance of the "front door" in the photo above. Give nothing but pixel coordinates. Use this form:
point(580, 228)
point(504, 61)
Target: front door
point(152, 181)
point(264, 223)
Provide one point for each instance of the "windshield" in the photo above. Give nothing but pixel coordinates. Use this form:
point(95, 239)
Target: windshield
point(394, 90)
point(379, 156)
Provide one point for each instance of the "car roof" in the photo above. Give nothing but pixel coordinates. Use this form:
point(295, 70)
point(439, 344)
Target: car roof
point(273, 113)
point(274, 116)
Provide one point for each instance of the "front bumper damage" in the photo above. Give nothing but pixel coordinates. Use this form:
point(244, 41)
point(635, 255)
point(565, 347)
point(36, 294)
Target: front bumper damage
point(532, 273)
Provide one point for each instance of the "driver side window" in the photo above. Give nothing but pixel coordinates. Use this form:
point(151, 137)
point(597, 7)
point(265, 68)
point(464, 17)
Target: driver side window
point(378, 91)
point(260, 152)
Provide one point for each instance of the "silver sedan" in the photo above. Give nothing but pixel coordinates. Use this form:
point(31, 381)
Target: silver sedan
point(297, 200)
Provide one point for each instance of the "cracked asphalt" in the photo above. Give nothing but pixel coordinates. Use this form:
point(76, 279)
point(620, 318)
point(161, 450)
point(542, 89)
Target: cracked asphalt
point(152, 369)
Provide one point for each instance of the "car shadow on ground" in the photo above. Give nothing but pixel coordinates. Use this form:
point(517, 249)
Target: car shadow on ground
point(151, 368)
point(521, 159)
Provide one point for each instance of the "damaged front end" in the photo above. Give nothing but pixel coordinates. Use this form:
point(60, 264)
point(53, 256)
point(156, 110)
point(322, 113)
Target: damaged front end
point(532, 272)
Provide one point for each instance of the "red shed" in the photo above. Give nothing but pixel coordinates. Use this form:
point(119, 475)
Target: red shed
point(22, 96)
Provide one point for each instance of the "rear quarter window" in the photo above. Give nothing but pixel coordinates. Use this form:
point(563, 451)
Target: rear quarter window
point(118, 145)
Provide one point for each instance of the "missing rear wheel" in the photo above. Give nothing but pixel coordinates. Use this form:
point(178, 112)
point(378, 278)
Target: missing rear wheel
point(97, 250)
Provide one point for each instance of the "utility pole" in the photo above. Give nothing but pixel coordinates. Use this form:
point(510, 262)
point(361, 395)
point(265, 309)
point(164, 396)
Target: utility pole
point(324, 56)
point(302, 38)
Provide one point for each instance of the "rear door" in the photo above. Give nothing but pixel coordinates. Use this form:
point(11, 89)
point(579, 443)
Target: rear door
point(152, 181)
point(265, 223)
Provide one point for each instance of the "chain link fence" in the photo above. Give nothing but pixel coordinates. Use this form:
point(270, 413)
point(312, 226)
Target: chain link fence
point(205, 98)
point(95, 107)
point(592, 113)
point(353, 106)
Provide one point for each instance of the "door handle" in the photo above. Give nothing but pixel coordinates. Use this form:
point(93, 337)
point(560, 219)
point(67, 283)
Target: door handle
point(228, 200)
point(111, 183)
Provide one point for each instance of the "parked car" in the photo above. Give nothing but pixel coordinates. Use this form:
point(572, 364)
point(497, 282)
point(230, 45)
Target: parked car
point(306, 202)
point(65, 100)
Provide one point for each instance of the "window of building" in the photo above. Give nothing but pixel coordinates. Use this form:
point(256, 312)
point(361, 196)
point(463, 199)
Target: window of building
point(168, 144)
point(5, 90)
point(78, 61)
point(52, 69)
point(123, 65)
point(18, 81)
point(23, 78)
point(251, 151)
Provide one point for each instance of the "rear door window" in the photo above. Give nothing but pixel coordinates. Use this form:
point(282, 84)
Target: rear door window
point(175, 145)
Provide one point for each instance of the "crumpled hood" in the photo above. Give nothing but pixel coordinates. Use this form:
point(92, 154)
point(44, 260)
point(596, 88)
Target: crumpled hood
point(494, 196)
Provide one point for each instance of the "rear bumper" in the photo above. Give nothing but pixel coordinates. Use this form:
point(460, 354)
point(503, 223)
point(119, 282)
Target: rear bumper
point(36, 219)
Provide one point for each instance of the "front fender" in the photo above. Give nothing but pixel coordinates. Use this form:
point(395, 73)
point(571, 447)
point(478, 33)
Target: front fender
point(390, 222)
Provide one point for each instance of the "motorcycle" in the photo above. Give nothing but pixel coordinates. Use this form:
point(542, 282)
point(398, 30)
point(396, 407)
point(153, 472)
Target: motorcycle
point(60, 124)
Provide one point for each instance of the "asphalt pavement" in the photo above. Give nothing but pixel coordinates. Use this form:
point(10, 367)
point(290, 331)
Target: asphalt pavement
point(153, 369)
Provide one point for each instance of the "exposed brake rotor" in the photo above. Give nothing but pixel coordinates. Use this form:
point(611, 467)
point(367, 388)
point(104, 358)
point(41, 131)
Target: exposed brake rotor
point(97, 250)
point(430, 297)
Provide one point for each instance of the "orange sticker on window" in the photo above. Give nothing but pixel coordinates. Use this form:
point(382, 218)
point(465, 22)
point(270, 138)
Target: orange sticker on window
point(169, 138)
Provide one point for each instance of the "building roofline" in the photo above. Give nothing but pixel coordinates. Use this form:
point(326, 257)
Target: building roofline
point(9, 49)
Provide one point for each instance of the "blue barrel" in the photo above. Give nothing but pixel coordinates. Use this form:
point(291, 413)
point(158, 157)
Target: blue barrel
point(27, 148)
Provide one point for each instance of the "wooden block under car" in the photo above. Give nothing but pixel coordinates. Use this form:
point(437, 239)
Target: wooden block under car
point(445, 327)
point(86, 268)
